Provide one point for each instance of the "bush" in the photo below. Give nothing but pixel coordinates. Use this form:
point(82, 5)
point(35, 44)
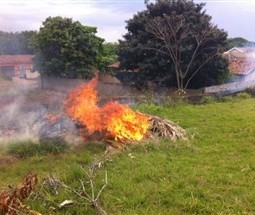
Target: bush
point(25, 149)
point(226, 98)
point(208, 99)
point(243, 95)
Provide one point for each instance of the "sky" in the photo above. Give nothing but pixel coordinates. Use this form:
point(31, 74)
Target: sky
point(109, 16)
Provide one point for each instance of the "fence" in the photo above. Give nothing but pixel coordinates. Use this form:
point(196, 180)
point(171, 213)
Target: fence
point(107, 88)
point(230, 87)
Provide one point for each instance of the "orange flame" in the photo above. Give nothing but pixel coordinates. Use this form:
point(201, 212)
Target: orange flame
point(116, 120)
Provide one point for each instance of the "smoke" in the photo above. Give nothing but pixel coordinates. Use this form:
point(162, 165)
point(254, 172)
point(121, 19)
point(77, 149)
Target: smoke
point(242, 64)
point(250, 62)
point(27, 113)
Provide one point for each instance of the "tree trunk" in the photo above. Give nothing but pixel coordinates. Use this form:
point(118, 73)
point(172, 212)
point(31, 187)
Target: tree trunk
point(42, 82)
point(177, 76)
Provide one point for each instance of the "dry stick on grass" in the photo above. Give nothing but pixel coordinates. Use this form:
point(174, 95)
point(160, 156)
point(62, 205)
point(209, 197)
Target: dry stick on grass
point(95, 201)
point(52, 183)
point(91, 198)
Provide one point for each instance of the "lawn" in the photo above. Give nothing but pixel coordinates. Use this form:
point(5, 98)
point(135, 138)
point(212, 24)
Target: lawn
point(212, 173)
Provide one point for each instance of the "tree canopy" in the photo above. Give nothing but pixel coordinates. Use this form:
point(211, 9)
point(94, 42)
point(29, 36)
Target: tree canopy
point(66, 48)
point(16, 43)
point(108, 55)
point(239, 42)
point(173, 42)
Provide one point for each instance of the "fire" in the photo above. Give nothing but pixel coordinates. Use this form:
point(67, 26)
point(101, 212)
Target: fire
point(116, 121)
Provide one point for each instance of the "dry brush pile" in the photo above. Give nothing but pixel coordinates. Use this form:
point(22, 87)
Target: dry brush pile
point(12, 200)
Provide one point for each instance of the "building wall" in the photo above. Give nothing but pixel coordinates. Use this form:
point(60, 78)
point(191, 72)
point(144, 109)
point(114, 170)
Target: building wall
point(230, 87)
point(14, 70)
point(7, 72)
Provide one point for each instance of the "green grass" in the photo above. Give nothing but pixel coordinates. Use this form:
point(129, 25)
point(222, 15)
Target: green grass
point(24, 149)
point(212, 173)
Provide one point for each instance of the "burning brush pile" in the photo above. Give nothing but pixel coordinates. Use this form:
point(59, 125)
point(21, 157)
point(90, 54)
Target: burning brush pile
point(114, 123)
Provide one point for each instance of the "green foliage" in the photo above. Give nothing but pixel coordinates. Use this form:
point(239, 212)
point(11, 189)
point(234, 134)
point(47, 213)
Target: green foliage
point(16, 43)
point(243, 95)
point(207, 99)
point(238, 42)
point(228, 98)
point(66, 48)
point(107, 56)
point(152, 55)
point(25, 149)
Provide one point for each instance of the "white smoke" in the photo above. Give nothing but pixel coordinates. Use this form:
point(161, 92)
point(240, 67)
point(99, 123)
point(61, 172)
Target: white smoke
point(241, 82)
point(23, 119)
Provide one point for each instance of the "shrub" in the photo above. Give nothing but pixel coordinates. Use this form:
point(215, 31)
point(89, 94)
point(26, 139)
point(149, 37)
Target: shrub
point(226, 98)
point(243, 95)
point(207, 99)
point(29, 148)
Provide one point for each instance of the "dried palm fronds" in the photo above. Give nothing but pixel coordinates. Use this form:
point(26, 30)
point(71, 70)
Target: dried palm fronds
point(11, 201)
point(166, 129)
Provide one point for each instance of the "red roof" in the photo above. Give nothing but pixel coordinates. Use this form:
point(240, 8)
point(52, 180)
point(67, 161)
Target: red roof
point(241, 60)
point(15, 59)
point(241, 67)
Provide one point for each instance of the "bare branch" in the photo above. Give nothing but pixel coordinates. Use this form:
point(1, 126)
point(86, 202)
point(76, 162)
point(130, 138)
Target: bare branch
point(103, 187)
point(174, 32)
point(200, 67)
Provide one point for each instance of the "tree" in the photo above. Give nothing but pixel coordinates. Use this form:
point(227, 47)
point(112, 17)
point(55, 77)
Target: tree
point(239, 42)
point(66, 48)
point(175, 39)
point(108, 55)
point(16, 43)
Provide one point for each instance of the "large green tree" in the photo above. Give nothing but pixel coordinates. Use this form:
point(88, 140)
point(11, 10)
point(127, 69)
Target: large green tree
point(174, 42)
point(16, 43)
point(66, 48)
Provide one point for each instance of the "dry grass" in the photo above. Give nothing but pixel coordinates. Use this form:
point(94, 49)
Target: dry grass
point(11, 201)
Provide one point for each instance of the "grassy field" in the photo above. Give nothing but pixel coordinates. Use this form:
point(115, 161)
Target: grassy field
point(212, 173)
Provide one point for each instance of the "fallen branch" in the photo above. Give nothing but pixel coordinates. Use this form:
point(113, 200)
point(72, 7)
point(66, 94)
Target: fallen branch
point(90, 198)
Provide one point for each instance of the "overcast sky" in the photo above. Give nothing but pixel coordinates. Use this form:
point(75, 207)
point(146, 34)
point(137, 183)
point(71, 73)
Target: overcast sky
point(109, 16)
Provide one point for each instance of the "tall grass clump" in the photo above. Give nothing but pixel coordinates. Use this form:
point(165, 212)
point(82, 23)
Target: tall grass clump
point(243, 95)
point(208, 99)
point(24, 149)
